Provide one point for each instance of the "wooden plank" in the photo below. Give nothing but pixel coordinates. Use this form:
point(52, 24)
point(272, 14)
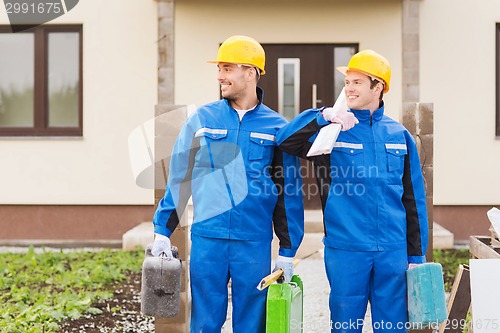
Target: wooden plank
point(480, 247)
point(458, 303)
point(493, 233)
point(495, 243)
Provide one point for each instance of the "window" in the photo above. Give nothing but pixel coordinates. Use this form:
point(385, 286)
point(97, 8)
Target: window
point(41, 81)
point(288, 87)
point(497, 97)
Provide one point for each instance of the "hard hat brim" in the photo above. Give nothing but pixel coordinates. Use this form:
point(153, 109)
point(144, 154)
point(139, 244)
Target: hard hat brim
point(262, 72)
point(343, 69)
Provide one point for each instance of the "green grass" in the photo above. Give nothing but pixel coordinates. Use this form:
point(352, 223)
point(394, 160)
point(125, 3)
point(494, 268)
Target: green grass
point(450, 260)
point(40, 290)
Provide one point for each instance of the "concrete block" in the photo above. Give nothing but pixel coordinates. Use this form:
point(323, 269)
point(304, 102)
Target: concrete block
point(430, 217)
point(425, 143)
point(429, 179)
point(159, 193)
point(164, 8)
point(180, 239)
point(411, 9)
point(442, 238)
point(185, 279)
point(139, 236)
point(411, 56)
point(313, 221)
point(409, 120)
point(161, 327)
point(430, 207)
point(161, 175)
point(412, 89)
point(426, 118)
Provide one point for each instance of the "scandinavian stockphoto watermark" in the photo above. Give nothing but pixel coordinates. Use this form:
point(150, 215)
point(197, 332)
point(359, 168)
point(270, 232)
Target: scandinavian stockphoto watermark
point(358, 324)
point(26, 14)
point(346, 180)
point(204, 160)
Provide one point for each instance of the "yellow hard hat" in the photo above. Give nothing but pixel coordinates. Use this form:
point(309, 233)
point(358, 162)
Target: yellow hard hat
point(242, 50)
point(372, 64)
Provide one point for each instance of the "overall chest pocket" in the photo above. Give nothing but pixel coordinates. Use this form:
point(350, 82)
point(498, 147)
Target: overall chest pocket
point(261, 146)
point(214, 151)
point(396, 153)
point(348, 162)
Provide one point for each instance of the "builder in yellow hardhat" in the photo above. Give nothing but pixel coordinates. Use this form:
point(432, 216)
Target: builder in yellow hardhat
point(374, 205)
point(242, 187)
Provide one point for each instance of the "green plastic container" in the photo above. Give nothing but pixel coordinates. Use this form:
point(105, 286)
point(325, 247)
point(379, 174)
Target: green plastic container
point(284, 309)
point(426, 298)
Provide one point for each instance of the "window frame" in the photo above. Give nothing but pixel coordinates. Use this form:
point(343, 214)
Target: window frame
point(41, 113)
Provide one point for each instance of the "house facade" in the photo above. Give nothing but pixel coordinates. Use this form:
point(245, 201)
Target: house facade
point(70, 177)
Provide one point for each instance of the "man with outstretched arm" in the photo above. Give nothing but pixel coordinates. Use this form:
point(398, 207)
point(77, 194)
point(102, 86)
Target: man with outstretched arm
point(373, 199)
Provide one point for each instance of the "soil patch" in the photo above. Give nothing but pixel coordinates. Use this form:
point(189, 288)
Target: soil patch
point(120, 313)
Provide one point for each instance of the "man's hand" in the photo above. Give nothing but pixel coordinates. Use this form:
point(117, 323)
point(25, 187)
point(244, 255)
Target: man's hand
point(411, 265)
point(342, 117)
point(286, 264)
point(161, 246)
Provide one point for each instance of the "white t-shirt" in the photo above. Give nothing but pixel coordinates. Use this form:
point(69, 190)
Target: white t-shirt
point(241, 113)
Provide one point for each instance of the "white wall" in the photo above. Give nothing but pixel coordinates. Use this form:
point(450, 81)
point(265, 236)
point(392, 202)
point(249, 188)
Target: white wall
point(457, 45)
point(201, 25)
point(119, 93)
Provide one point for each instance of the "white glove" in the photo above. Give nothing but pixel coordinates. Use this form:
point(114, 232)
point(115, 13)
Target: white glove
point(342, 117)
point(161, 245)
point(286, 264)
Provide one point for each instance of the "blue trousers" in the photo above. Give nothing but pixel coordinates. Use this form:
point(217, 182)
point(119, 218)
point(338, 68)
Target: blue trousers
point(212, 263)
point(358, 277)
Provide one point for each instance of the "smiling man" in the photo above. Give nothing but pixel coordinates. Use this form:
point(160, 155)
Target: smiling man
point(243, 187)
point(373, 199)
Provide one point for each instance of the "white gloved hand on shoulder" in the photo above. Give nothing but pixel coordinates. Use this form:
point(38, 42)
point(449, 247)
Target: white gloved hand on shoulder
point(343, 117)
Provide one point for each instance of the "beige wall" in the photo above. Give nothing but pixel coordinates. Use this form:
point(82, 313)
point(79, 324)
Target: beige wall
point(457, 69)
point(201, 25)
point(457, 45)
point(457, 75)
point(120, 80)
